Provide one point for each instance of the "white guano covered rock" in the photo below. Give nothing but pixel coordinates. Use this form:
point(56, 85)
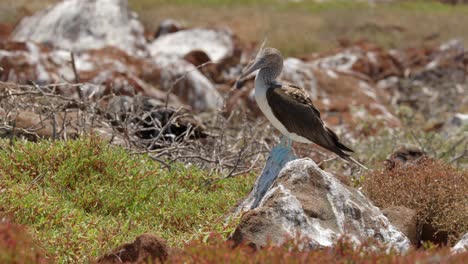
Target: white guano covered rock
point(78, 25)
point(106, 70)
point(311, 205)
point(300, 73)
point(217, 44)
point(461, 245)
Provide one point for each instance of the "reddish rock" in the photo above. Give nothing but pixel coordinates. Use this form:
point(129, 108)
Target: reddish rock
point(5, 31)
point(362, 59)
point(197, 57)
point(167, 26)
point(110, 69)
point(146, 248)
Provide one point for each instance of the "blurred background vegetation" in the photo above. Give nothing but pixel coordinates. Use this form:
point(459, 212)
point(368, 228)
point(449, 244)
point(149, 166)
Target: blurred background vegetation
point(298, 27)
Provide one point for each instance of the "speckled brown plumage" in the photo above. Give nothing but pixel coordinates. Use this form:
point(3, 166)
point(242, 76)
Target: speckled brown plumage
point(288, 107)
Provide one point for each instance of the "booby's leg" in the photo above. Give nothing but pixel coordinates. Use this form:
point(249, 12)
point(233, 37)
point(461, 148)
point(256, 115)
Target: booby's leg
point(283, 140)
point(289, 140)
point(279, 156)
point(286, 141)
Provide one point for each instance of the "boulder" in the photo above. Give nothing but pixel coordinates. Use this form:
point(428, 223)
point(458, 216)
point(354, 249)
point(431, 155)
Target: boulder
point(311, 205)
point(185, 81)
point(405, 220)
point(462, 245)
point(77, 25)
point(217, 44)
point(146, 248)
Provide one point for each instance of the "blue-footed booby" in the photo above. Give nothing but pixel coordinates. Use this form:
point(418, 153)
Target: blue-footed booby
point(289, 108)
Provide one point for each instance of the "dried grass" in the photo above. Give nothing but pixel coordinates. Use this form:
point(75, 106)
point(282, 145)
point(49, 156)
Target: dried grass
point(233, 145)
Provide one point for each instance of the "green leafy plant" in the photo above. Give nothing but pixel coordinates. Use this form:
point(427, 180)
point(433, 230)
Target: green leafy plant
point(82, 198)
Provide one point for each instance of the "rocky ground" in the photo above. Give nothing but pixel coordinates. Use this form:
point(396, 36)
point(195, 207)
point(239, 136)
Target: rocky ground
point(81, 69)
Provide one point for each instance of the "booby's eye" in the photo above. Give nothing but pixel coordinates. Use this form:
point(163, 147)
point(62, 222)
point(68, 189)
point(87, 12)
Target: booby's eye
point(261, 60)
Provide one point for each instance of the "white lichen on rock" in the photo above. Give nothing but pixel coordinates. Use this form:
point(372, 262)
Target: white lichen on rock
point(77, 25)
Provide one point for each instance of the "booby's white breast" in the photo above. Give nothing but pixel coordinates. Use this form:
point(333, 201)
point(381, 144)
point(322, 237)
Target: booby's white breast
point(260, 96)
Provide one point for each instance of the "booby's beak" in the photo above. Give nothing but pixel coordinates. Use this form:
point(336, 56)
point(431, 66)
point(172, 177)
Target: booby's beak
point(251, 67)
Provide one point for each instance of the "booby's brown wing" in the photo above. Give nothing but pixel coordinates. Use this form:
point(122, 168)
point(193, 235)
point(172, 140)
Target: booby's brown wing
point(293, 107)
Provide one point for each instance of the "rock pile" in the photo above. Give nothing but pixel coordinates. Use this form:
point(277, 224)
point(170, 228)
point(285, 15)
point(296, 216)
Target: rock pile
point(110, 50)
point(197, 66)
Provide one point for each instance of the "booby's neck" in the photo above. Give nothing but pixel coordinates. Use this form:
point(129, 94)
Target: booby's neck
point(268, 74)
point(266, 78)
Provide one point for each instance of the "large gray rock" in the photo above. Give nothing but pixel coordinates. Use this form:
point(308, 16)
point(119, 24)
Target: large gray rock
point(188, 83)
point(312, 204)
point(461, 245)
point(78, 25)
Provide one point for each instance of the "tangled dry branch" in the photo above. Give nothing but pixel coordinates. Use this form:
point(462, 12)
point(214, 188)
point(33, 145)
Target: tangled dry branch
point(226, 146)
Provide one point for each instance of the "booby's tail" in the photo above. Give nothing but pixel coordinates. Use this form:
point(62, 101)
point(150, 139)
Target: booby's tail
point(352, 160)
point(339, 148)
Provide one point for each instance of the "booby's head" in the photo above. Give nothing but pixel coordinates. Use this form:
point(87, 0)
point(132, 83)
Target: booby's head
point(269, 58)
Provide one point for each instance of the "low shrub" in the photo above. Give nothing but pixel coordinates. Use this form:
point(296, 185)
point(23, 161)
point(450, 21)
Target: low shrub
point(218, 251)
point(437, 191)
